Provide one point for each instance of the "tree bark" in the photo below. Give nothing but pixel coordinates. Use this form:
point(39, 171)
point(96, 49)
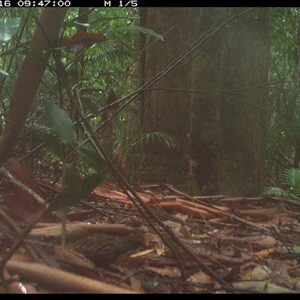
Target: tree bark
point(215, 102)
point(204, 118)
point(243, 106)
point(166, 105)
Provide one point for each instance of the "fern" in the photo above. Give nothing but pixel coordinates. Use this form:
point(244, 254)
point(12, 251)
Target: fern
point(162, 138)
point(134, 145)
point(109, 56)
point(274, 191)
point(290, 179)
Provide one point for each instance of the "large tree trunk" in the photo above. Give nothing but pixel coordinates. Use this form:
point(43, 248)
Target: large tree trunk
point(223, 126)
point(243, 106)
point(204, 119)
point(166, 105)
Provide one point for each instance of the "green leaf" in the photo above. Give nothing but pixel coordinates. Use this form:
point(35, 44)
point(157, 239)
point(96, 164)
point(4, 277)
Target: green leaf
point(8, 28)
point(274, 191)
point(146, 31)
point(90, 182)
point(296, 248)
point(75, 189)
point(3, 73)
point(291, 178)
point(60, 123)
point(54, 145)
point(91, 158)
point(71, 193)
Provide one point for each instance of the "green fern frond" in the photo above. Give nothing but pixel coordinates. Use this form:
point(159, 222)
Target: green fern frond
point(109, 56)
point(102, 58)
point(275, 192)
point(291, 178)
point(162, 138)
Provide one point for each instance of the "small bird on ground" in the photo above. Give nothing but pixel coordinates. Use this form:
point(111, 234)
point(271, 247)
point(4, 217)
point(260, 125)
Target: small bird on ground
point(103, 250)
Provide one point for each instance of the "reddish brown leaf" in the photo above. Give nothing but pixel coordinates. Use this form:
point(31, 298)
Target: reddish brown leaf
point(82, 37)
point(18, 201)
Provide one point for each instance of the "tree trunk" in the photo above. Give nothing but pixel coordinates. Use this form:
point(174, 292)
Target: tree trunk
point(243, 106)
point(222, 120)
point(166, 105)
point(204, 119)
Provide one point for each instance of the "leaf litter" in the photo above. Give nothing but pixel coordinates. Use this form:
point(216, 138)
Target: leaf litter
point(251, 243)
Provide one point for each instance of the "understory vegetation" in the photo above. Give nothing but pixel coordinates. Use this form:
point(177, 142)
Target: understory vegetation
point(99, 71)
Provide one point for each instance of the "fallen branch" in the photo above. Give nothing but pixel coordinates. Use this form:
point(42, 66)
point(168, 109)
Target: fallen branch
point(59, 280)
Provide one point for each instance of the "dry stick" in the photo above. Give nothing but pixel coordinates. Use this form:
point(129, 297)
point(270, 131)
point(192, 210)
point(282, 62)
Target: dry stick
point(21, 239)
point(197, 198)
point(246, 222)
point(19, 242)
point(12, 231)
point(59, 280)
point(22, 186)
point(27, 230)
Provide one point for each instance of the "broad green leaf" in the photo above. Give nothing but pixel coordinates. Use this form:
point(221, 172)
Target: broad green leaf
point(8, 28)
point(54, 145)
point(90, 182)
point(71, 193)
point(91, 158)
point(60, 123)
point(296, 248)
point(75, 189)
point(146, 31)
point(3, 73)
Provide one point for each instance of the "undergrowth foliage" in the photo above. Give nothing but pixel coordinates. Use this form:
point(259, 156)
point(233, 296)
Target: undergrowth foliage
point(82, 75)
point(284, 103)
point(290, 185)
point(89, 74)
